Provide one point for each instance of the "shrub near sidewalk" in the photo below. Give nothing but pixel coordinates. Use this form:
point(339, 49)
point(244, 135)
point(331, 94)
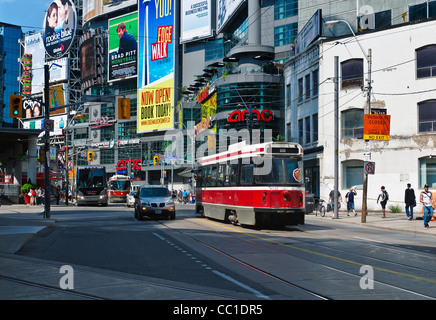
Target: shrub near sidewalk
point(395, 208)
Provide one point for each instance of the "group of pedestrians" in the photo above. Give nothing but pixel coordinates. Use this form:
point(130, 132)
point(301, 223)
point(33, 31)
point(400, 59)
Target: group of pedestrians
point(36, 196)
point(426, 198)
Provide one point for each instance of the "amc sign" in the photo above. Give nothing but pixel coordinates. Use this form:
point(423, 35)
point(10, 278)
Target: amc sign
point(240, 116)
point(132, 164)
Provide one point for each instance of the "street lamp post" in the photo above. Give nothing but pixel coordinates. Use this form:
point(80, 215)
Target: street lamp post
point(367, 109)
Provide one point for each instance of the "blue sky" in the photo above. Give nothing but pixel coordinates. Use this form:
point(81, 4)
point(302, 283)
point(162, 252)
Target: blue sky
point(28, 14)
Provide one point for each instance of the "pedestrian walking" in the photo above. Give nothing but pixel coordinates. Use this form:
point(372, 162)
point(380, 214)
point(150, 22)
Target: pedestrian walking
point(58, 195)
point(428, 205)
point(33, 197)
point(410, 201)
point(349, 199)
point(40, 193)
point(383, 197)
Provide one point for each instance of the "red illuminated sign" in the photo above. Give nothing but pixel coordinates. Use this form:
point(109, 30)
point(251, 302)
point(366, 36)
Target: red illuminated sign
point(240, 116)
point(132, 164)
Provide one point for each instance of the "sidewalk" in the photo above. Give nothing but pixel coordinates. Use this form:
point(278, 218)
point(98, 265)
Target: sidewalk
point(393, 221)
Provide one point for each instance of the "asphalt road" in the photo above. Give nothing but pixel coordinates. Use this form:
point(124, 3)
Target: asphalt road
point(321, 260)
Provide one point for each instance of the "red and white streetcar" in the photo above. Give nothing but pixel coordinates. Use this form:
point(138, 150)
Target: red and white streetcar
point(118, 188)
point(260, 184)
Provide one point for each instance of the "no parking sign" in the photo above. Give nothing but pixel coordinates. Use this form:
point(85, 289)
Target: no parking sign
point(369, 167)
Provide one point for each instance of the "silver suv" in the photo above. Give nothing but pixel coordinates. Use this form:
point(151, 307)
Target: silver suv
point(154, 202)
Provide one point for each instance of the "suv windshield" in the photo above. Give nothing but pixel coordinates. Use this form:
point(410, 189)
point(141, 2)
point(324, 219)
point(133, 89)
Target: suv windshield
point(154, 192)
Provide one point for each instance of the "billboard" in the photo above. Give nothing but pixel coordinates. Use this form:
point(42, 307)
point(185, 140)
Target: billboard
point(196, 19)
point(95, 8)
point(88, 59)
point(225, 10)
point(156, 65)
point(58, 70)
point(59, 27)
point(123, 47)
point(57, 96)
point(33, 44)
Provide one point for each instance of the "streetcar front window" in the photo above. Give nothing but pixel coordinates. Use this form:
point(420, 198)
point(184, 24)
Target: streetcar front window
point(284, 171)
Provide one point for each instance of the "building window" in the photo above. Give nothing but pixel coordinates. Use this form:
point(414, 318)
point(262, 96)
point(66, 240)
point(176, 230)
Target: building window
point(315, 82)
point(81, 133)
point(427, 172)
point(377, 20)
point(213, 50)
point(307, 84)
point(427, 116)
point(426, 62)
point(126, 130)
point(107, 156)
point(285, 9)
point(300, 131)
point(307, 130)
point(352, 73)
point(422, 11)
point(107, 133)
point(352, 174)
point(352, 124)
point(315, 126)
point(107, 110)
point(300, 90)
point(285, 34)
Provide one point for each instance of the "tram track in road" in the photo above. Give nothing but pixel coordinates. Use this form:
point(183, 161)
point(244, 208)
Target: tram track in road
point(113, 277)
point(415, 272)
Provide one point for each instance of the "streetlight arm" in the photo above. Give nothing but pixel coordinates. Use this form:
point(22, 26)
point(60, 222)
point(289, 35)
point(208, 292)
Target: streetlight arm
point(332, 23)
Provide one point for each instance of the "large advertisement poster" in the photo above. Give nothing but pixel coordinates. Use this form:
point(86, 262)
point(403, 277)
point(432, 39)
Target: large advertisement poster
point(59, 27)
point(87, 55)
point(225, 10)
point(34, 45)
point(123, 47)
point(156, 65)
point(95, 8)
point(196, 19)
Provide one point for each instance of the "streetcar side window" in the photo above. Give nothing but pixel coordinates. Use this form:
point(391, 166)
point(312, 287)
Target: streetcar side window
point(233, 173)
point(199, 178)
point(247, 174)
point(207, 173)
point(220, 180)
point(227, 175)
point(213, 176)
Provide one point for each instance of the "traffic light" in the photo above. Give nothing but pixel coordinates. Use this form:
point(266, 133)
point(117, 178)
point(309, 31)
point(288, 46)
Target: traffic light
point(15, 106)
point(90, 156)
point(123, 108)
point(156, 160)
point(41, 155)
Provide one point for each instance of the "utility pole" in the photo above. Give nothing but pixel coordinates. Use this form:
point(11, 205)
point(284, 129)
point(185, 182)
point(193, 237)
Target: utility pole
point(336, 121)
point(367, 111)
point(47, 144)
point(66, 164)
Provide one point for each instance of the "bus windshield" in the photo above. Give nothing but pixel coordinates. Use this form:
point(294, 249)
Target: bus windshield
point(91, 178)
point(284, 171)
point(119, 185)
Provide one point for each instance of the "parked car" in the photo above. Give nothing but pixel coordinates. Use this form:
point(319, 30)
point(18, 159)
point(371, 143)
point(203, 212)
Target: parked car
point(154, 202)
point(131, 199)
